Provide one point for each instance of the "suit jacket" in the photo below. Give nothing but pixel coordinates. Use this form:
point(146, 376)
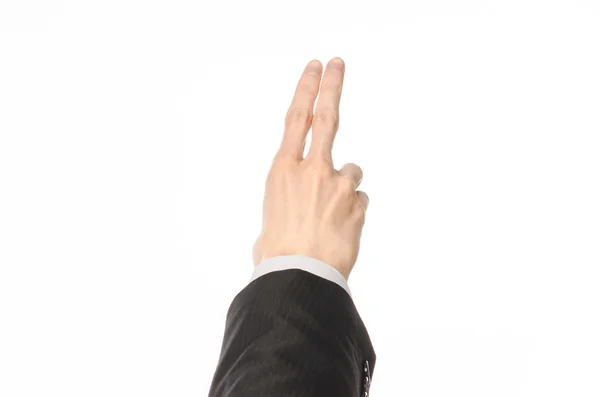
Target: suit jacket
point(291, 333)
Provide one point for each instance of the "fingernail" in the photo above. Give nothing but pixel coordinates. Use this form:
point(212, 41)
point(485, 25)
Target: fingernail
point(337, 63)
point(313, 68)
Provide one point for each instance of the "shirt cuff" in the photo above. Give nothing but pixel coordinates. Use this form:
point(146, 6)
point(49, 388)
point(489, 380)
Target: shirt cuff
point(308, 264)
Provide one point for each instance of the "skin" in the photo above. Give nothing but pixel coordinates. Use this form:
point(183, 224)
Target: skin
point(309, 207)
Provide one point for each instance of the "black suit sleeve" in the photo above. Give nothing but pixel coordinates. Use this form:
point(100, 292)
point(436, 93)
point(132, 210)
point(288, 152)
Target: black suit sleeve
point(290, 333)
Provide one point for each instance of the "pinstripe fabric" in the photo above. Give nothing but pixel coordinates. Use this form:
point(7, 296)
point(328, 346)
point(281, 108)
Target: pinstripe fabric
point(291, 333)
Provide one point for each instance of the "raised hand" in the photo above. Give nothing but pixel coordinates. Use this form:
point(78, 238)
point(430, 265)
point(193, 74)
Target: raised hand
point(309, 207)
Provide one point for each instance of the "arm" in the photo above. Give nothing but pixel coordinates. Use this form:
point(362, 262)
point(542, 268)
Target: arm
point(291, 331)
point(294, 330)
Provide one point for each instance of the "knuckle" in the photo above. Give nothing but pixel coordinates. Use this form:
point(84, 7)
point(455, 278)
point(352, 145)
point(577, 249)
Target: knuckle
point(318, 165)
point(354, 170)
point(362, 200)
point(359, 215)
point(319, 173)
point(283, 164)
point(359, 170)
point(299, 116)
point(327, 116)
point(347, 186)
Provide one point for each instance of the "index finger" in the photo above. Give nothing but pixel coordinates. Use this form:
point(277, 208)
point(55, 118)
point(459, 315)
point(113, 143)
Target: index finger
point(326, 118)
point(300, 113)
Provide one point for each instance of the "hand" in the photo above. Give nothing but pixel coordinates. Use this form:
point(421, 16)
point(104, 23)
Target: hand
point(310, 208)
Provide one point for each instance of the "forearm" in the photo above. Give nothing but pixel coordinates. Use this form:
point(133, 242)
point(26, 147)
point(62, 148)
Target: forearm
point(292, 330)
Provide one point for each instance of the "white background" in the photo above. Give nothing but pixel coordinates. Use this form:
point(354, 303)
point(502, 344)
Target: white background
point(135, 137)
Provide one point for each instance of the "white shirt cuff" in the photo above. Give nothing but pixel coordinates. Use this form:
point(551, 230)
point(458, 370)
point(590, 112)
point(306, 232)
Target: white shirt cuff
point(308, 264)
